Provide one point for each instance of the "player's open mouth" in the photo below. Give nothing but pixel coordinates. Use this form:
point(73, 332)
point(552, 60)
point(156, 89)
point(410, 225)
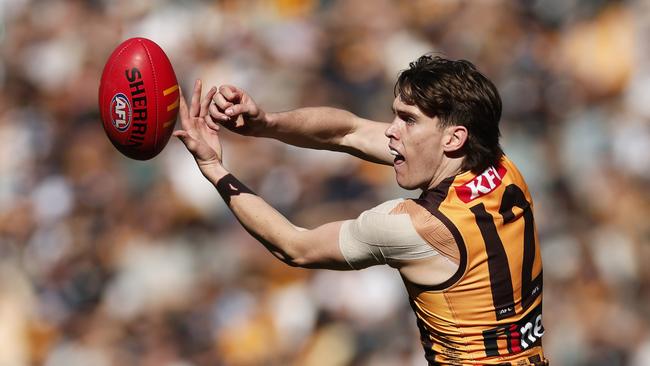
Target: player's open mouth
point(399, 158)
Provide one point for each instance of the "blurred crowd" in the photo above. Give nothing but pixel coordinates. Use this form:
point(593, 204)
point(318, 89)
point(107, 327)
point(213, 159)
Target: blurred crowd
point(110, 261)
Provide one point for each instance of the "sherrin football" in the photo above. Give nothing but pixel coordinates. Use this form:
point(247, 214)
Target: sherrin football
point(138, 98)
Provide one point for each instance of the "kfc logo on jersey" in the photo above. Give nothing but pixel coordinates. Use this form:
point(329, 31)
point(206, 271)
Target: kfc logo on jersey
point(482, 184)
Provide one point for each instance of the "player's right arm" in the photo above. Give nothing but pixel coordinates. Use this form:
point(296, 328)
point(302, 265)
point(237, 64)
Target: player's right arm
point(321, 128)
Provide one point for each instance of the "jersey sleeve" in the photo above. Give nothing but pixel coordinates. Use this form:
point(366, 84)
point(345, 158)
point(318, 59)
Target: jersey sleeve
point(381, 236)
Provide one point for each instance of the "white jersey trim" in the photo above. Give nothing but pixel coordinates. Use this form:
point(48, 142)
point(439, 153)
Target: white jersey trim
point(378, 237)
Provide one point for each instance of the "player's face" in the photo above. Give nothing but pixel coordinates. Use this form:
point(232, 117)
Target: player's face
point(416, 143)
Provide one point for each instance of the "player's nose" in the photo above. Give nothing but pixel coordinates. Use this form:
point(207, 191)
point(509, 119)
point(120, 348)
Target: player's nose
point(391, 131)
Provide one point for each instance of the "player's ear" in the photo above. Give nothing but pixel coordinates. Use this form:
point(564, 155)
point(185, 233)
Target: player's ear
point(454, 138)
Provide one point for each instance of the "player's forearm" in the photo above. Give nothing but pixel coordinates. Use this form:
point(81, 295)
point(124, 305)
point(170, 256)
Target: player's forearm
point(261, 220)
point(313, 127)
point(330, 129)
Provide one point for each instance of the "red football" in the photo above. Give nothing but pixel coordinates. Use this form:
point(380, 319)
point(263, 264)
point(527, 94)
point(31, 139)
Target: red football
point(138, 98)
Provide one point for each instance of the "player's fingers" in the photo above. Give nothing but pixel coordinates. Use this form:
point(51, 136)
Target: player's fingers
point(195, 106)
point(237, 109)
point(231, 93)
point(205, 103)
point(210, 123)
point(217, 115)
point(221, 102)
point(182, 110)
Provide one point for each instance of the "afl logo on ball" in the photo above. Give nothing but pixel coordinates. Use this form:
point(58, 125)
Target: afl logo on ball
point(121, 112)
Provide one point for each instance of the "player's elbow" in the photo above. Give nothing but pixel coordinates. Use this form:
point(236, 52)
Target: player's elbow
point(299, 259)
point(295, 262)
point(313, 248)
point(307, 262)
point(299, 255)
point(288, 257)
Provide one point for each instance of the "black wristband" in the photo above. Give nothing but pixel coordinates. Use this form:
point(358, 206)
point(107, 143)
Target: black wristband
point(229, 186)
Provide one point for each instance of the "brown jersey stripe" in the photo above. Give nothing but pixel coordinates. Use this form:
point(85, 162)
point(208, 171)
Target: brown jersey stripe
point(425, 340)
point(436, 195)
point(514, 197)
point(497, 260)
point(431, 200)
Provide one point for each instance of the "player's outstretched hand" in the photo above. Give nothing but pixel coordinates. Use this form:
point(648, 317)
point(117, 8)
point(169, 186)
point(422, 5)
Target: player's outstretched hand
point(198, 138)
point(234, 109)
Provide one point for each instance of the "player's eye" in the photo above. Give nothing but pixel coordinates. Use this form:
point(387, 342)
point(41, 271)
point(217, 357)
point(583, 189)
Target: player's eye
point(409, 119)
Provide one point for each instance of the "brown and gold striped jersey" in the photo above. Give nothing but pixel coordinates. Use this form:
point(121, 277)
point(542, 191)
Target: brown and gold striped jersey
point(490, 311)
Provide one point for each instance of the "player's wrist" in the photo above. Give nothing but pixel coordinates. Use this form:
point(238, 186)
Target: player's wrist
point(213, 171)
point(268, 124)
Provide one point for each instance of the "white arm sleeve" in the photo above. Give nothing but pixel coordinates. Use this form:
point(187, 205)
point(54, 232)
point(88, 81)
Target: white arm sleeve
point(377, 237)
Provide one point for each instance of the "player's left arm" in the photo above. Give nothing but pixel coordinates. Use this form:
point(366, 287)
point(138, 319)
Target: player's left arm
point(317, 248)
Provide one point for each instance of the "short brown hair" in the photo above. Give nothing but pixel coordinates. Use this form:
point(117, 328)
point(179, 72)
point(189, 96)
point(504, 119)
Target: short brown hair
point(458, 94)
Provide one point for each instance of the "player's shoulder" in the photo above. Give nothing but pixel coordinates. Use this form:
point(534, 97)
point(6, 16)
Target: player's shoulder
point(404, 211)
point(386, 217)
point(387, 206)
point(397, 207)
point(514, 174)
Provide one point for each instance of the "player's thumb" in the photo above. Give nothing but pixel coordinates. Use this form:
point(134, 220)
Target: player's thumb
point(185, 138)
point(237, 110)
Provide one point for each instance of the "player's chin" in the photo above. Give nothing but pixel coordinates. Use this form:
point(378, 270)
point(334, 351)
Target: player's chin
point(405, 183)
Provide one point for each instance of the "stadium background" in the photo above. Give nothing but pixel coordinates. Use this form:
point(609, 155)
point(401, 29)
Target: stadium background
point(108, 261)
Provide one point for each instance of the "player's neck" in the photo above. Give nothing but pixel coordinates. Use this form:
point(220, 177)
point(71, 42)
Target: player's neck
point(449, 167)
